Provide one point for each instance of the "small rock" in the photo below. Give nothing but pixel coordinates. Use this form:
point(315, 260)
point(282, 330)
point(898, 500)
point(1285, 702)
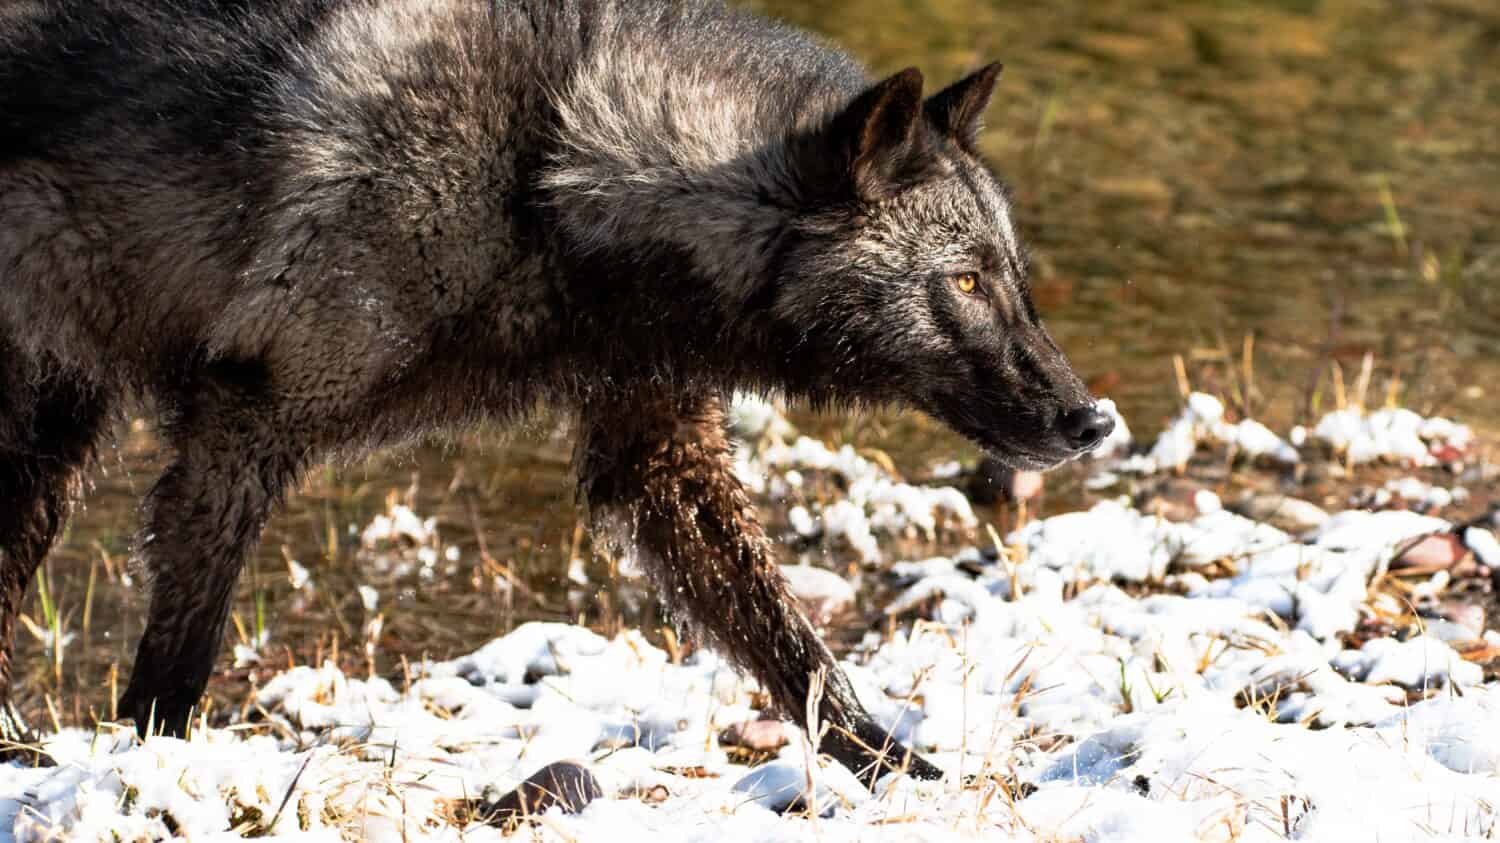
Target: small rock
point(565, 784)
point(1435, 552)
point(782, 788)
point(1323, 472)
point(1169, 509)
point(1290, 515)
point(1447, 453)
point(1480, 474)
point(1448, 632)
point(1466, 614)
point(821, 593)
point(757, 735)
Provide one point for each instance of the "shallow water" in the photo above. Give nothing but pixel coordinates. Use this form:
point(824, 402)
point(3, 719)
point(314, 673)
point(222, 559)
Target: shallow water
point(1321, 176)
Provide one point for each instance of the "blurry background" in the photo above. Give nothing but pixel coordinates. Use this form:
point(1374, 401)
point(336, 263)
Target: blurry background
point(1325, 175)
point(1316, 180)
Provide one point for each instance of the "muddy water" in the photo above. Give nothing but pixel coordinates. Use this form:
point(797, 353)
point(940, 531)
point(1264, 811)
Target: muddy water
point(1323, 177)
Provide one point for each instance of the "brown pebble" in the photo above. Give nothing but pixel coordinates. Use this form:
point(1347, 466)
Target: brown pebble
point(1170, 510)
point(820, 593)
point(1435, 552)
point(758, 735)
point(566, 784)
point(1466, 614)
point(1292, 515)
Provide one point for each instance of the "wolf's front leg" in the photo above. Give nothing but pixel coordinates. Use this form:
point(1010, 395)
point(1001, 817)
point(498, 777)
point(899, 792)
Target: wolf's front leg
point(657, 474)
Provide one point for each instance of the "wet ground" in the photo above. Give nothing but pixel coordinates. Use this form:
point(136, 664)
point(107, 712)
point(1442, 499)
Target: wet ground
point(1313, 182)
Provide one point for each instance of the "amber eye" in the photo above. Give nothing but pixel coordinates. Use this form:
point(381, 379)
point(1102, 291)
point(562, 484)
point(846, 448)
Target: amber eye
point(966, 282)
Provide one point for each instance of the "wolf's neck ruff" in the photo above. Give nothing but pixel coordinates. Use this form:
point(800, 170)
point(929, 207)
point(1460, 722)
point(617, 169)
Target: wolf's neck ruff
point(667, 138)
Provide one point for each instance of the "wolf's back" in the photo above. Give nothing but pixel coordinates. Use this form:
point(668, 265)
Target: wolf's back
point(226, 167)
point(74, 74)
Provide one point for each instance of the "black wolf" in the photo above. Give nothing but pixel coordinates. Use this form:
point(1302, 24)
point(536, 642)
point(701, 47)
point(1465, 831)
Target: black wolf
point(306, 228)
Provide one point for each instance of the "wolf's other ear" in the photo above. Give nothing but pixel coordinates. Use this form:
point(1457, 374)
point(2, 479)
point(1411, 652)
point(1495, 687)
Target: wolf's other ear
point(958, 110)
point(878, 137)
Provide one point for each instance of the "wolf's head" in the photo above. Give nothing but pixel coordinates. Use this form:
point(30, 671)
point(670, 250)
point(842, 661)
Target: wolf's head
point(856, 222)
point(905, 281)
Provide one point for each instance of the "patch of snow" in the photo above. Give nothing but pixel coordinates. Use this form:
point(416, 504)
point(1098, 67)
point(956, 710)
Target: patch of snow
point(1393, 435)
point(400, 523)
point(1484, 546)
point(1078, 705)
point(1117, 444)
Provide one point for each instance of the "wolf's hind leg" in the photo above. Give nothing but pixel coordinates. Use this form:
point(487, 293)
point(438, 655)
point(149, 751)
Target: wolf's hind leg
point(201, 519)
point(660, 476)
point(50, 423)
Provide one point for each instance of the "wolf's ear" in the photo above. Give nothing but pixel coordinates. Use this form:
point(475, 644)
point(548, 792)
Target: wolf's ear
point(958, 110)
point(878, 139)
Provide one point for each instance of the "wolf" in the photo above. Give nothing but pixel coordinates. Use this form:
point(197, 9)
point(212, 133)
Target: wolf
point(298, 230)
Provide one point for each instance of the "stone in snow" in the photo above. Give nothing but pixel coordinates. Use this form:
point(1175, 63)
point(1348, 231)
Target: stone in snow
point(821, 593)
point(1292, 515)
point(782, 787)
point(563, 784)
point(1435, 552)
point(1464, 613)
point(758, 735)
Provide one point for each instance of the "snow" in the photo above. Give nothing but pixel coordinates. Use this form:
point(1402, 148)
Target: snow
point(1416, 663)
point(754, 417)
point(1065, 701)
point(1415, 492)
point(1176, 444)
point(1111, 540)
point(1203, 420)
point(1357, 530)
point(1395, 435)
point(1118, 442)
point(1254, 440)
point(1392, 435)
point(400, 524)
point(874, 502)
point(1484, 545)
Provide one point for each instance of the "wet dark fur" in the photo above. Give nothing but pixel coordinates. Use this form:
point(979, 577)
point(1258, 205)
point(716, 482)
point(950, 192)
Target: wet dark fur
point(307, 228)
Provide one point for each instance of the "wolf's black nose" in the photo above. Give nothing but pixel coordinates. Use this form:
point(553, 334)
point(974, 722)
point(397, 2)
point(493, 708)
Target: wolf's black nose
point(1086, 427)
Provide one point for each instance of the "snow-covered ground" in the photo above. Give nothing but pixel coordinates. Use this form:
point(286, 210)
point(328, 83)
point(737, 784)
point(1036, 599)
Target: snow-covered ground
point(1105, 676)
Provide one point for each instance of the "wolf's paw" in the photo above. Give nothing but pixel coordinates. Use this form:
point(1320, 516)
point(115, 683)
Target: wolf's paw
point(870, 752)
